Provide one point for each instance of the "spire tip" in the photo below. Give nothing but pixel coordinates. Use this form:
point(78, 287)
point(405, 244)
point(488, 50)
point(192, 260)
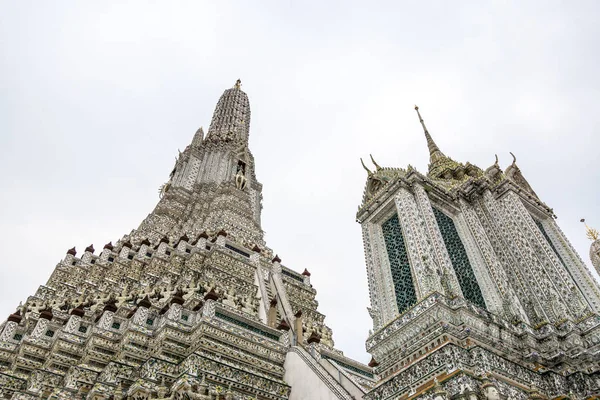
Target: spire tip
point(434, 151)
point(591, 233)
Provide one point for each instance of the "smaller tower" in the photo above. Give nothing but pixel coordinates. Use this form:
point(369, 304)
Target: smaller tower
point(471, 280)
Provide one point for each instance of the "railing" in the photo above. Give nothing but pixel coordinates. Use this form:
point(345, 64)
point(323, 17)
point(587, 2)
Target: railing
point(322, 374)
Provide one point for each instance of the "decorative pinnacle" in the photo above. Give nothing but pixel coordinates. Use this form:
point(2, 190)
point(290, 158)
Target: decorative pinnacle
point(377, 167)
point(591, 233)
point(365, 167)
point(238, 84)
point(434, 151)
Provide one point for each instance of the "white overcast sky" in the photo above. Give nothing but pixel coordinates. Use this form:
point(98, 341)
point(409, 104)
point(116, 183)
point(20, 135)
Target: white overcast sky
point(96, 98)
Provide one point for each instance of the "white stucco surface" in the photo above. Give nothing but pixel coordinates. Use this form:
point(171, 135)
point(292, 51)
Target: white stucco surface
point(305, 383)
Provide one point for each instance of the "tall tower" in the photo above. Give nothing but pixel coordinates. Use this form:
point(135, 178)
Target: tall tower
point(213, 184)
point(475, 290)
point(191, 305)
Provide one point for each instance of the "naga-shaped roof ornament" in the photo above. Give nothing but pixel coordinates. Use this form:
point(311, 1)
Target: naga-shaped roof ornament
point(365, 167)
point(514, 173)
point(377, 167)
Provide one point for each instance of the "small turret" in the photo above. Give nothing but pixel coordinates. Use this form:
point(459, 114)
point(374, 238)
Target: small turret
point(198, 138)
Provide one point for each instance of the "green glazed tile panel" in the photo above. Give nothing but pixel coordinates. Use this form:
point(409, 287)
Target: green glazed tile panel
point(399, 265)
point(460, 261)
point(246, 326)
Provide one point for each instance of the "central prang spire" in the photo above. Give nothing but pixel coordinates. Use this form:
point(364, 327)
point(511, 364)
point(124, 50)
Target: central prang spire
point(213, 185)
point(231, 119)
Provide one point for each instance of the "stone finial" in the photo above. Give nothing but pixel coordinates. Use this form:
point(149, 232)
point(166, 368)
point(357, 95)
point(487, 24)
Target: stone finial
point(283, 325)
point(222, 233)
point(72, 252)
point(128, 244)
point(78, 311)
point(145, 302)
point(314, 338)
point(15, 317)
point(373, 363)
point(178, 297)
point(110, 305)
point(305, 272)
point(145, 242)
point(90, 249)
point(46, 313)
point(276, 259)
point(238, 84)
point(203, 235)
point(212, 295)
point(109, 246)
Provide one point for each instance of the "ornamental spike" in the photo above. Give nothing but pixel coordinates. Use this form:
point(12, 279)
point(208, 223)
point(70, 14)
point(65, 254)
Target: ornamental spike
point(375, 163)
point(434, 150)
point(365, 167)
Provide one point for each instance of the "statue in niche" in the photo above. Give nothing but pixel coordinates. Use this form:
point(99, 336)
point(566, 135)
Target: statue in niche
point(489, 390)
point(240, 176)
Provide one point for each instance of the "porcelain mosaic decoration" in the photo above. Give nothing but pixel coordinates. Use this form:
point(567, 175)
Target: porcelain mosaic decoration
point(191, 305)
point(475, 294)
point(505, 308)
